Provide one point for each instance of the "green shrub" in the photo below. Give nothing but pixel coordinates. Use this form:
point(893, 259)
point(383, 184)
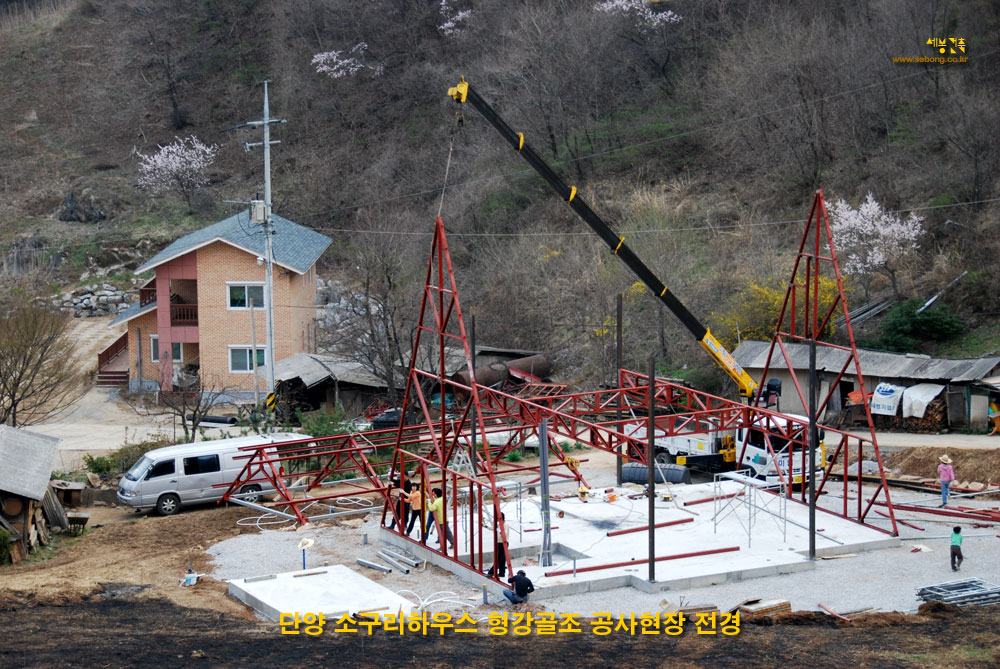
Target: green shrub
point(5, 541)
point(903, 329)
point(513, 456)
point(324, 423)
point(99, 465)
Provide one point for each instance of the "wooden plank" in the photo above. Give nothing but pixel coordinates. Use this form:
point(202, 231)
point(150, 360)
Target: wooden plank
point(17, 552)
point(43, 532)
point(54, 511)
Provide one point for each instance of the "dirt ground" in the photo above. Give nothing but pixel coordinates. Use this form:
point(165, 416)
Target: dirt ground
point(122, 546)
point(54, 606)
point(143, 630)
point(982, 465)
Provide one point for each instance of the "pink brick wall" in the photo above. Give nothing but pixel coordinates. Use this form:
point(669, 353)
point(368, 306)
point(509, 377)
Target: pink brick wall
point(219, 327)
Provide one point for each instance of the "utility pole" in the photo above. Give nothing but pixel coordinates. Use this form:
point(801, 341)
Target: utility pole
point(253, 356)
point(545, 559)
point(651, 465)
point(268, 227)
point(618, 384)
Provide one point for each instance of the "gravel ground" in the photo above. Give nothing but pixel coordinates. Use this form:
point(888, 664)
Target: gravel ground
point(277, 550)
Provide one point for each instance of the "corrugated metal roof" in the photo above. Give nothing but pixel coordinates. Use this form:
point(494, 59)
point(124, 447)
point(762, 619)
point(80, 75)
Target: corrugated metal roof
point(454, 357)
point(312, 369)
point(26, 460)
point(295, 246)
point(753, 355)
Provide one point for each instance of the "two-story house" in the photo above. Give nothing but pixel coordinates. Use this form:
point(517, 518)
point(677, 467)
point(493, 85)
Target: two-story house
point(194, 318)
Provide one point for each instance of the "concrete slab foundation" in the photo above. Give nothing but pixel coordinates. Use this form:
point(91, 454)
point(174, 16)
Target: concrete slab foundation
point(333, 591)
point(775, 544)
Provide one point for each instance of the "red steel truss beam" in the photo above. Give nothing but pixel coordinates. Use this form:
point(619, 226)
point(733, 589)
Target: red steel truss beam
point(680, 556)
point(681, 521)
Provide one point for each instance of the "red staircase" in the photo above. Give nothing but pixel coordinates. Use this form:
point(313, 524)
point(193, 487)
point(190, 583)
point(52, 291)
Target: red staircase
point(110, 375)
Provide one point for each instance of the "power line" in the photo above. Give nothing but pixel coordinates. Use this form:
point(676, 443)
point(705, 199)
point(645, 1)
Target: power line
point(655, 140)
point(403, 233)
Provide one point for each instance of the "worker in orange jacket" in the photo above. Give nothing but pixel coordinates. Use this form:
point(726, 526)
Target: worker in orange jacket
point(415, 498)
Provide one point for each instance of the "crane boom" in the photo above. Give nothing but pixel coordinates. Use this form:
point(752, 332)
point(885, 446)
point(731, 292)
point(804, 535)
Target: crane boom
point(463, 93)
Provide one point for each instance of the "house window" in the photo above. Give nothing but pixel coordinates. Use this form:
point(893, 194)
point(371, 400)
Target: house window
point(154, 349)
point(240, 295)
point(240, 360)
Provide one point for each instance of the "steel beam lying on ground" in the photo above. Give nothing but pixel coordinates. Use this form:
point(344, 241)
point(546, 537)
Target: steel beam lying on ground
point(628, 563)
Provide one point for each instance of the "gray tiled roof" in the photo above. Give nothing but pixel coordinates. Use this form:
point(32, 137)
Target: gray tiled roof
point(295, 246)
point(883, 364)
point(133, 310)
point(26, 460)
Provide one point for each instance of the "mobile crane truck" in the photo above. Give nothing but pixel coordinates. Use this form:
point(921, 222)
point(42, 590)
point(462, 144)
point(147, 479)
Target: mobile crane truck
point(708, 450)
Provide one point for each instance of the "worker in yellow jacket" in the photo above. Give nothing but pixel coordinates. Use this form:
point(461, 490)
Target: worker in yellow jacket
point(440, 518)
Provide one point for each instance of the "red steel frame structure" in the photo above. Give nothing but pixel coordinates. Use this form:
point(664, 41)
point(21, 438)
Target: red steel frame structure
point(428, 445)
point(803, 320)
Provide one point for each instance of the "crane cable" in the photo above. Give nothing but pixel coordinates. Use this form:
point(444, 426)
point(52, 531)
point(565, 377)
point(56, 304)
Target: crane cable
point(447, 166)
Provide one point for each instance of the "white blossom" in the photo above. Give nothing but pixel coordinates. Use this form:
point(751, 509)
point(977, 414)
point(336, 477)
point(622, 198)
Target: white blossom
point(181, 166)
point(338, 64)
point(640, 11)
point(452, 17)
point(871, 240)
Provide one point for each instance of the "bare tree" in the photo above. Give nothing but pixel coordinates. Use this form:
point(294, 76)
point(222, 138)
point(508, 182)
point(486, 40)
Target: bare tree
point(196, 401)
point(375, 328)
point(39, 377)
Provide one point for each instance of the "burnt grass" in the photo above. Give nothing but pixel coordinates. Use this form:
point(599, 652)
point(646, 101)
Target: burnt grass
point(134, 631)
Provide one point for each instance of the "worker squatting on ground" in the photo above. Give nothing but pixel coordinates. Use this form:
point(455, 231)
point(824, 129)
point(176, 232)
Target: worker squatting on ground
point(956, 548)
point(946, 474)
point(522, 587)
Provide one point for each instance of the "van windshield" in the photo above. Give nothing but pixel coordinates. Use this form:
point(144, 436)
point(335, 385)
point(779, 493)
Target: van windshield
point(138, 469)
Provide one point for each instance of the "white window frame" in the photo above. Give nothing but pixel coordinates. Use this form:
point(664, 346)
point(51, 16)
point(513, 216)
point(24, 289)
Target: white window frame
point(244, 284)
point(156, 338)
point(245, 347)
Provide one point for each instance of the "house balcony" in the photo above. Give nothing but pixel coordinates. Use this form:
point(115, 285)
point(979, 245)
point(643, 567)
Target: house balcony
point(183, 314)
point(147, 296)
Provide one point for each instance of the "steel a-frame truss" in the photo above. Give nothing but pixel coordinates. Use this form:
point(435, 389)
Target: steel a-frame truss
point(462, 453)
point(803, 320)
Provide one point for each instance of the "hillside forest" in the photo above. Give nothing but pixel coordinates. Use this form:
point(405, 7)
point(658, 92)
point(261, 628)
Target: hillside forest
point(699, 129)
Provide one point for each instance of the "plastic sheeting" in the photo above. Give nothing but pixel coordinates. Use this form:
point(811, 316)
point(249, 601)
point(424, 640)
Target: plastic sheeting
point(916, 398)
point(886, 399)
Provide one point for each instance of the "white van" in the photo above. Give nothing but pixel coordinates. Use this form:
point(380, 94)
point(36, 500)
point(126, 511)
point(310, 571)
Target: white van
point(168, 478)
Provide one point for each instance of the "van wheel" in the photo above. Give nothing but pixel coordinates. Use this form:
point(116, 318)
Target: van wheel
point(253, 499)
point(664, 458)
point(168, 505)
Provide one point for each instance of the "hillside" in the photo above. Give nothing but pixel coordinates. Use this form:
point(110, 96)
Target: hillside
point(699, 129)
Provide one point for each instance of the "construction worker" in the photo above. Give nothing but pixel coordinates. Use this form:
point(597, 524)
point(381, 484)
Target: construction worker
point(521, 587)
point(946, 473)
point(436, 507)
point(499, 556)
point(402, 501)
point(415, 499)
